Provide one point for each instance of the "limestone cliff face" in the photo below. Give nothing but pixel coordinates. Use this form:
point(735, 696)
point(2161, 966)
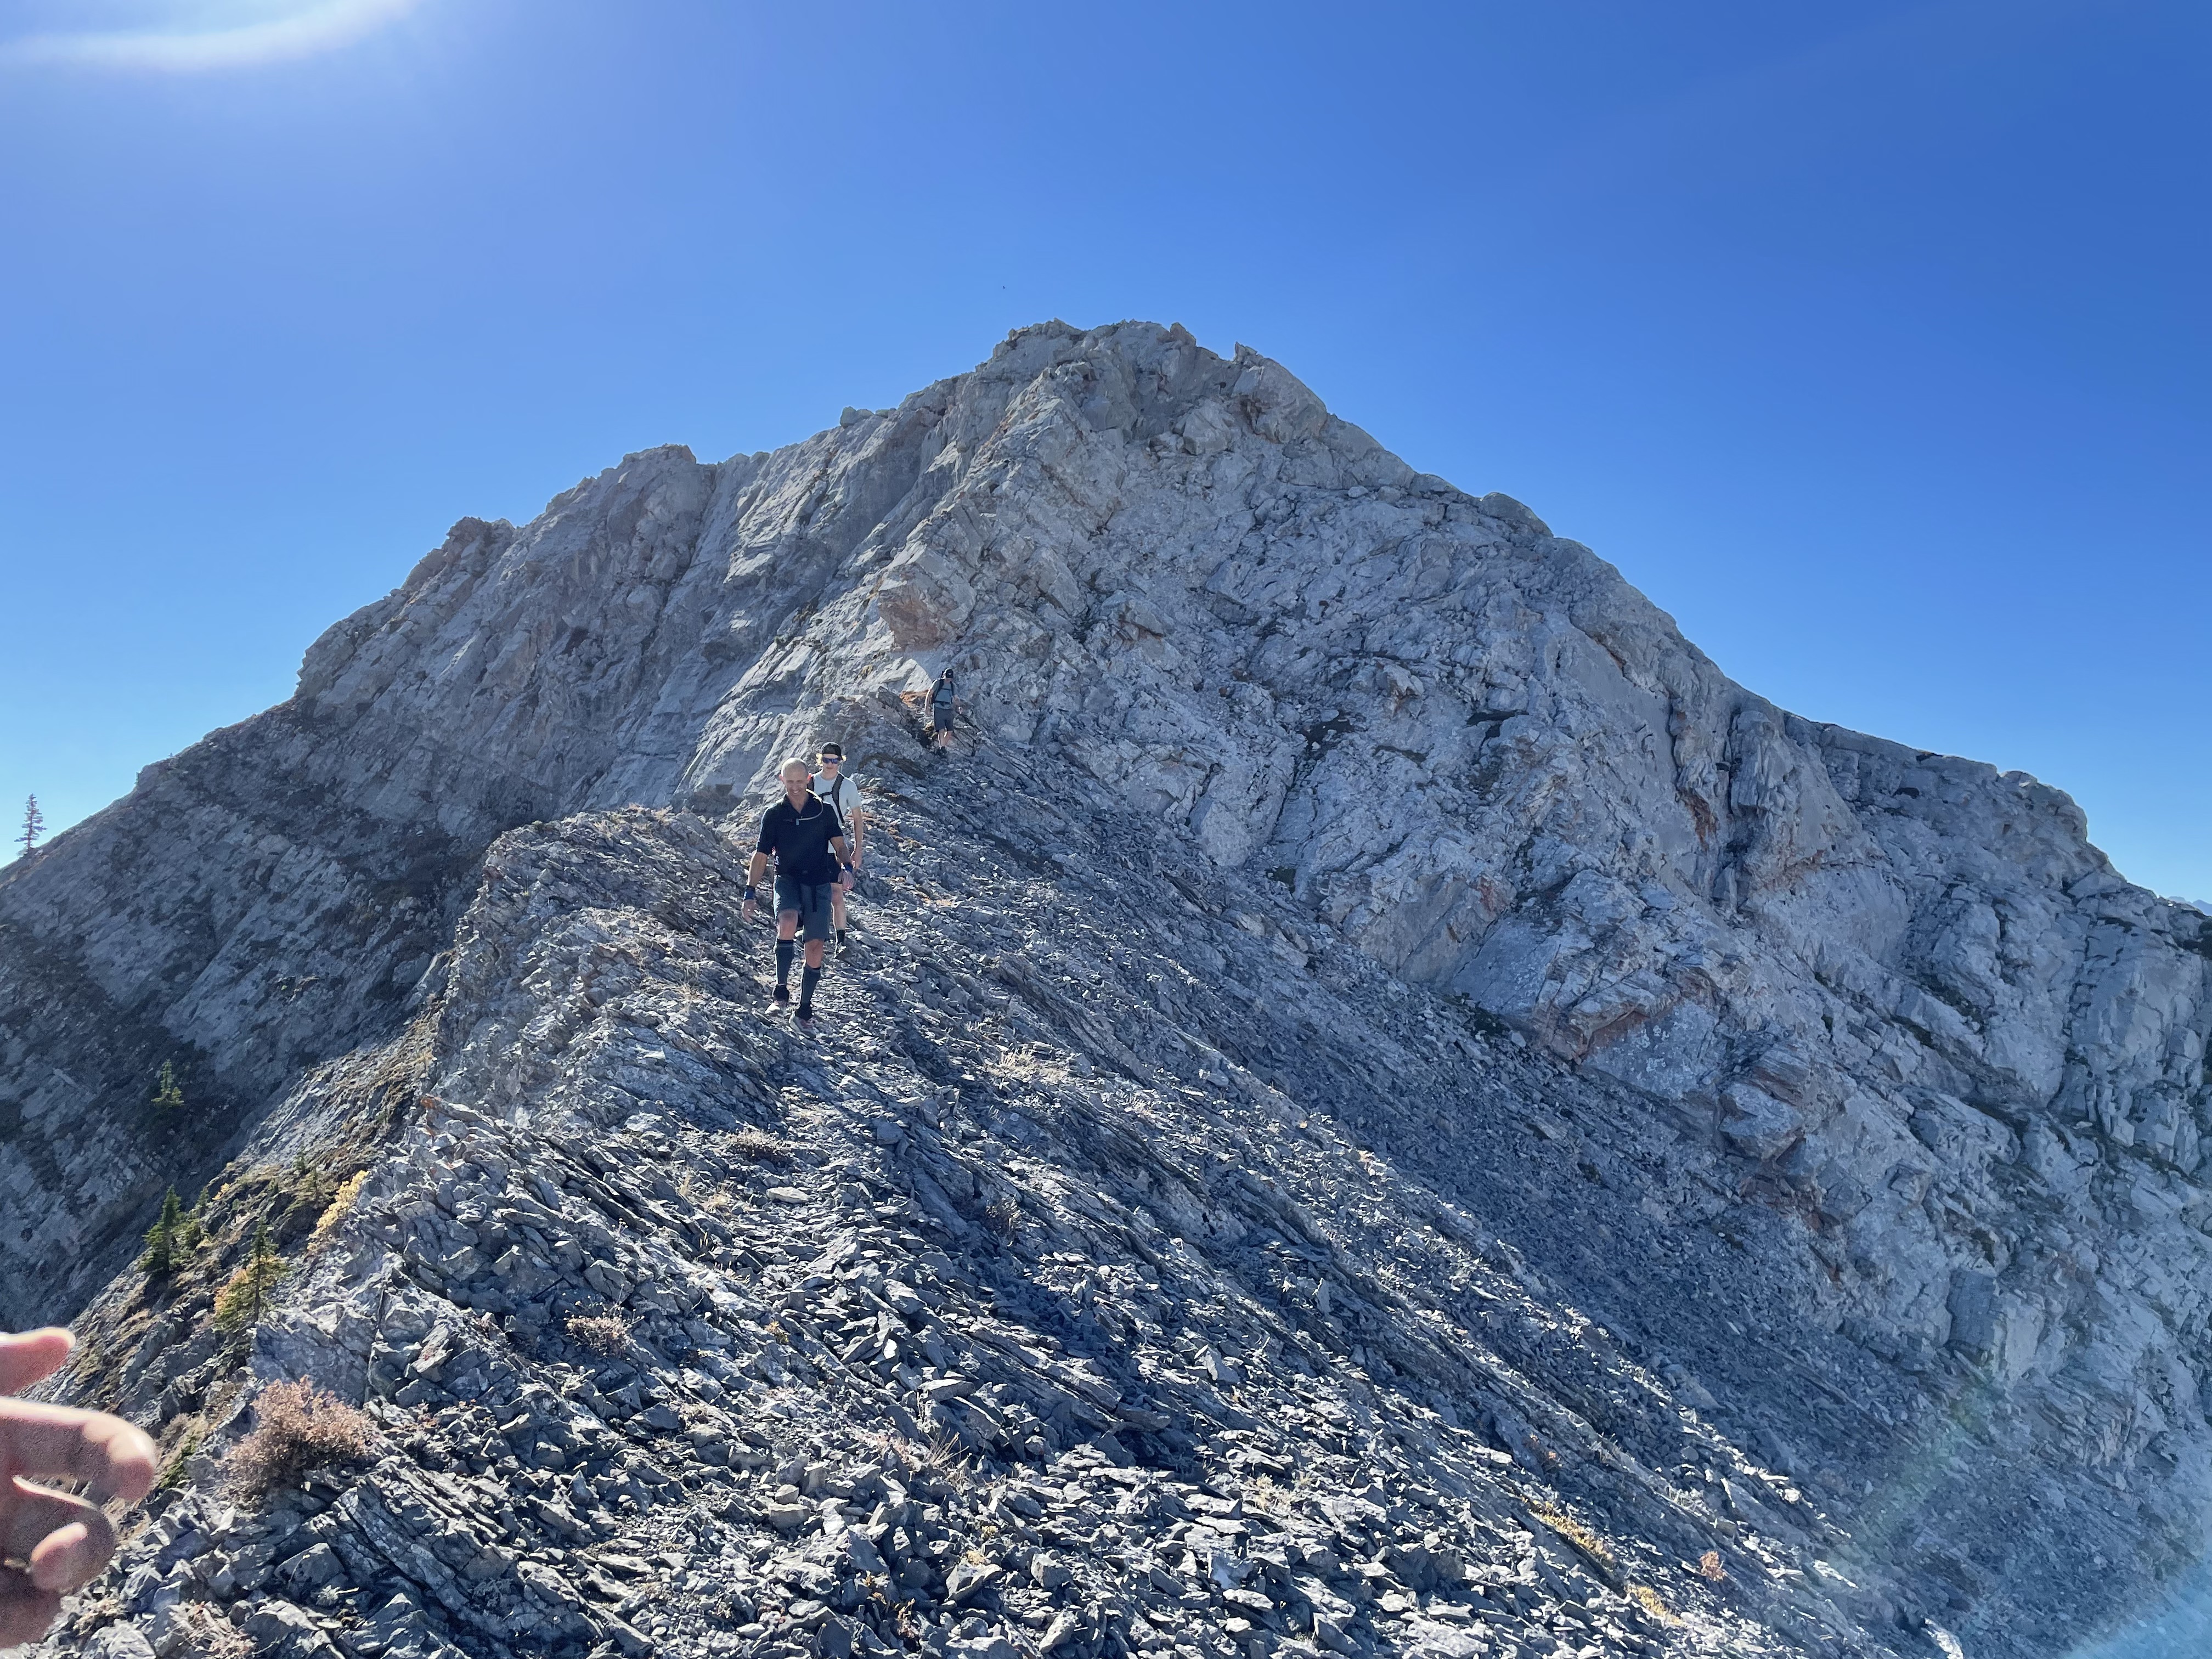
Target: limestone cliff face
point(1919, 1017)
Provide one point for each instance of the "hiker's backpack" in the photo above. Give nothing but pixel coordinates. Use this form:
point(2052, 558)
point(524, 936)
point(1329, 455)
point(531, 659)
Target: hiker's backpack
point(844, 798)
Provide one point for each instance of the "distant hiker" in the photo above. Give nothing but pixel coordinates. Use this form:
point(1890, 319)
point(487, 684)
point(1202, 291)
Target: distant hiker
point(807, 838)
point(841, 793)
point(944, 707)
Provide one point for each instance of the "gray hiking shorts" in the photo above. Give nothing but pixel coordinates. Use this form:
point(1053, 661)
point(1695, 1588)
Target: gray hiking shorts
point(812, 902)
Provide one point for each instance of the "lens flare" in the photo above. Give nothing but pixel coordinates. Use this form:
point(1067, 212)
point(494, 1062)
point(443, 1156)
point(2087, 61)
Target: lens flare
point(300, 30)
point(2179, 1629)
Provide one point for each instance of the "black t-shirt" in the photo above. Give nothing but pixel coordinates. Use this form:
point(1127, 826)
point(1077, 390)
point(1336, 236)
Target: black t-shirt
point(799, 837)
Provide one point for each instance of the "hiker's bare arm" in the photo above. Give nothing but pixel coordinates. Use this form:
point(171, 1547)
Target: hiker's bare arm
point(64, 1541)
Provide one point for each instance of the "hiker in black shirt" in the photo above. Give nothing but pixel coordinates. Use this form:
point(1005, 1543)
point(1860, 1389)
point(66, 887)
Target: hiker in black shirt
point(807, 838)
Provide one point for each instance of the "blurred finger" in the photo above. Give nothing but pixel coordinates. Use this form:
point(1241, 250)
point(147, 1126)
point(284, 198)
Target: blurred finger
point(114, 1459)
point(68, 1559)
point(25, 1610)
point(26, 1358)
point(66, 1540)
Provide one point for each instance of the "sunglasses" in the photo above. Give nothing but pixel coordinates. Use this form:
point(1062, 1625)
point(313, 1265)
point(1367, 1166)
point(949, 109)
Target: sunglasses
point(829, 760)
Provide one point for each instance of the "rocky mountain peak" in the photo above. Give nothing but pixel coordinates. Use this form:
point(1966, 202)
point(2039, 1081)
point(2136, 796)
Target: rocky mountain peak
point(1373, 1052)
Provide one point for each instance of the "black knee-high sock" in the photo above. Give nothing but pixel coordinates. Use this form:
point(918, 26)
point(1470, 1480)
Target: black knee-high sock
point(785, 951)
point(808, 979)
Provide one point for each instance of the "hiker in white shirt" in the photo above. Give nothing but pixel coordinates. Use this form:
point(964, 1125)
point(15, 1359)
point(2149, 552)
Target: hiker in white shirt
point(841, 793)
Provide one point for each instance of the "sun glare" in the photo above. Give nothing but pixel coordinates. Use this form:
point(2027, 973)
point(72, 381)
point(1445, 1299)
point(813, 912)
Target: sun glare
point(209, 37)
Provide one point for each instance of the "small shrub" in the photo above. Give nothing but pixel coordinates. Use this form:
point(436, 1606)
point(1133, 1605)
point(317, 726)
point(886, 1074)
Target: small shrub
point(600, 1334)
point(240, 1304)
point(301, 1427)
point(341, 1203)
point(758, 1147)
point(169, 1093)
point(1710, 1567)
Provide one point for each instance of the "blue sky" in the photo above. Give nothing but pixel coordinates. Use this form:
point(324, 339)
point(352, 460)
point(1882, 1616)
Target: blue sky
point(1869, 340)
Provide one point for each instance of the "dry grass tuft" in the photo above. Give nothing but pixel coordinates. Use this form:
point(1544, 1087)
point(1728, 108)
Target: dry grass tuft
point(1648, 1599)
point(946, 1461)
point(1261, 1493)
point(209, 1635)
point(301, 1427)
point(758, 1147)
point(172, 1471)
point(601, 1334)
point(341, 1204)
point(1575, 1532)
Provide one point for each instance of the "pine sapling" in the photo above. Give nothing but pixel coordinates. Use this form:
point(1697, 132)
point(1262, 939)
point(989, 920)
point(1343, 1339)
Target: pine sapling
point(34, 825)
point(306, 1182)
point(173, 1223)
point(264, 1266)
point(162, 1240)
point(168, 1094)
point(246, 1295)
point(192, 1229)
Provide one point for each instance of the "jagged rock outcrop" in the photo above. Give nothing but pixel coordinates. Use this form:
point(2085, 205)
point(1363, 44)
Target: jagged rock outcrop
point(1869, 1097)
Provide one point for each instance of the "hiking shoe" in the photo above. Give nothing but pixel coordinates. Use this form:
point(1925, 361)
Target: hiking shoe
point(805, 1020)
point(782, 993)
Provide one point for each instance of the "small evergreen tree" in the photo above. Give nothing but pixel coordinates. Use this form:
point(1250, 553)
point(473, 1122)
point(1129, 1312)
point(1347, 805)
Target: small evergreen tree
point(310, 1184)
point(168, 1095)
point(263, 1266)
point(190, 1230)
point(34, 825)
point(175, 1224)
point(243, 1299)
point(163, 1238)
